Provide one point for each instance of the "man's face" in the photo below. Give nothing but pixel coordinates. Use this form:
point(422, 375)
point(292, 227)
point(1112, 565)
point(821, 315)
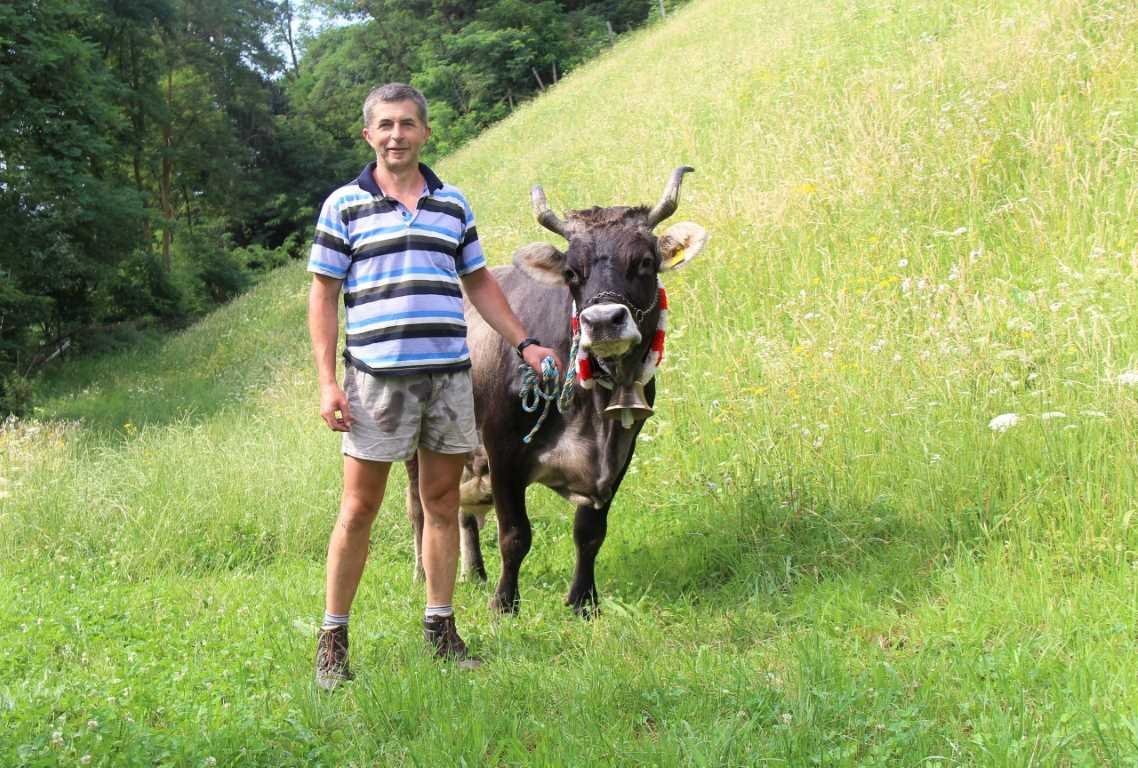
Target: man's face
point(396, 133)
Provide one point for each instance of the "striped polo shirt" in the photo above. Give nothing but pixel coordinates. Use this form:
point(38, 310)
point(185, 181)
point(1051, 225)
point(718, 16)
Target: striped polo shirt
point(401, 269)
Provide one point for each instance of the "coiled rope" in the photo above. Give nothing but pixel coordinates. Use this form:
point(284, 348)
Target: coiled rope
point(549, 388)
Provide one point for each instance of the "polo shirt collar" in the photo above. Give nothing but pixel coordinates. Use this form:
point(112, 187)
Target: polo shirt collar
point(366, 179)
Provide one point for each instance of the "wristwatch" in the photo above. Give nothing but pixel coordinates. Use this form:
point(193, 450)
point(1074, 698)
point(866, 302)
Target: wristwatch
point(528, 341)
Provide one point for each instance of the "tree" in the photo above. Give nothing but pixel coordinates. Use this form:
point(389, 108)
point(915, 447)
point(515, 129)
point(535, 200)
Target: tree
point(66, 208)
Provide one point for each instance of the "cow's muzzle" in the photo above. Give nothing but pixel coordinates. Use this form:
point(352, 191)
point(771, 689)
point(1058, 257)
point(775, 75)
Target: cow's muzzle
point(607, 330)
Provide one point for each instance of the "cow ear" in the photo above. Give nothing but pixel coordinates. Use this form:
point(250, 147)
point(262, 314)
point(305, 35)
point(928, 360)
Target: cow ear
point(680, 244)
point(542, 262)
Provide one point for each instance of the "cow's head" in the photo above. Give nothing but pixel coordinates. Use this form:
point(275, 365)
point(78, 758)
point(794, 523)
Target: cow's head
point(611, 268)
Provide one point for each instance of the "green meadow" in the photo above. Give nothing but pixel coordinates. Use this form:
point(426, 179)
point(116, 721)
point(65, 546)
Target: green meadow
point(886, 512)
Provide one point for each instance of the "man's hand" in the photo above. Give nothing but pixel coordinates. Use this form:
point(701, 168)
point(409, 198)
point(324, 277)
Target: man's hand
point(533, 355)
point(334, 408)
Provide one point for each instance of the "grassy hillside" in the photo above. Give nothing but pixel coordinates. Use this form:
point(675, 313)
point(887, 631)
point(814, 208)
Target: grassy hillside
point(924, 215)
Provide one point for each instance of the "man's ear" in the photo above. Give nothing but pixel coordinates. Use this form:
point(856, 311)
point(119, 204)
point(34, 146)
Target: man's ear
point(680, 244)
point(542, 262)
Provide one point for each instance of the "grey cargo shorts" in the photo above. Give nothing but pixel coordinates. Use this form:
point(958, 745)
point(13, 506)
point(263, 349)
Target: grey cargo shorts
point(392, 416)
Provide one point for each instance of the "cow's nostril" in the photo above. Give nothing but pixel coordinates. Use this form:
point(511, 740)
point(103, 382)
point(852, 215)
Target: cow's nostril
point(605, 317)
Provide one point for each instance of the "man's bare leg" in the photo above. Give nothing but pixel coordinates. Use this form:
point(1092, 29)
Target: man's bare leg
point(364, 485)
point(439, 474)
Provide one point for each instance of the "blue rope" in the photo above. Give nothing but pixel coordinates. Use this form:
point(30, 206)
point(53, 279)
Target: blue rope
point(548, 389)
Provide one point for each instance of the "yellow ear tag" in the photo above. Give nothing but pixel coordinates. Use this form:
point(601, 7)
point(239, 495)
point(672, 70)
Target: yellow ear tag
point(676, 259)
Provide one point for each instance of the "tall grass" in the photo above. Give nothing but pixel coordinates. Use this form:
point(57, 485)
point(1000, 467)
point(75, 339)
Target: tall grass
point(923, 216)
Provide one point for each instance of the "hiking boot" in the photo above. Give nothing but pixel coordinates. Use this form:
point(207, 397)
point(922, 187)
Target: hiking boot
point(332, 657)
point(442, 635)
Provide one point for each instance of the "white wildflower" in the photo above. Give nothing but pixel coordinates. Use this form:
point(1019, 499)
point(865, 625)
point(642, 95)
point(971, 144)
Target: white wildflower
point(786, 718)
point(954, 273)
point(877, 346)
point(903, 263)
point(1003, 422)
point(57, 739)
point(1094, 414)
point(92, 724)
point(1052, 415)
point(960, 231)
point(85, 760)
point(1128, 379)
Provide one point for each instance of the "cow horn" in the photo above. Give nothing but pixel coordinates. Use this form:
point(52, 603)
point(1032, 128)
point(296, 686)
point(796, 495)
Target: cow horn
point(667, 205)
point(545, 216)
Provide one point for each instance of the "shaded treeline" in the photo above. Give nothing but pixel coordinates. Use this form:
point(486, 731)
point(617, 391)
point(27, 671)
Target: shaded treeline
point(156, 155)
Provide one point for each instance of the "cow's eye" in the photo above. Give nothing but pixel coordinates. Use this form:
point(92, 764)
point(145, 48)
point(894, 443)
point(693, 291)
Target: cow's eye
point(647, 264)
point(571, 277)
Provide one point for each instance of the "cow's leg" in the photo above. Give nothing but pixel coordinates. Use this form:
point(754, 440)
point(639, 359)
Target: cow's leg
point(514, 537)
point(589, 528)
point(472, 566)
point(415, 515)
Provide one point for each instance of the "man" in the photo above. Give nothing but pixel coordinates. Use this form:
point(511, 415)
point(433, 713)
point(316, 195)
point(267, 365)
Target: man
point(398, 243)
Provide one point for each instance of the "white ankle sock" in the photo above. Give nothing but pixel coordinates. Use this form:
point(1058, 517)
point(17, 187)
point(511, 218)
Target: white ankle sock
point(439, 610)
point(332, 620)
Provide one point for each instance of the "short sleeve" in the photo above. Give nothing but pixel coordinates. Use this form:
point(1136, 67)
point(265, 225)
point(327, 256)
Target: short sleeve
point(469, 257)
point(331, 253)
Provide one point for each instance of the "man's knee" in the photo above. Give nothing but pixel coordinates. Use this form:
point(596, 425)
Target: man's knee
point(357, 512)
point(440, 503)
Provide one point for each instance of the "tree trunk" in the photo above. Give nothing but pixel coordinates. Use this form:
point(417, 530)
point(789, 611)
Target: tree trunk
point(289, 38)
point(138, 122)
point(165, 198)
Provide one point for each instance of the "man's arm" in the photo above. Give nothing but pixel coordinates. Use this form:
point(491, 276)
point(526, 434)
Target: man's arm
point(486, 295)
point(324, 329)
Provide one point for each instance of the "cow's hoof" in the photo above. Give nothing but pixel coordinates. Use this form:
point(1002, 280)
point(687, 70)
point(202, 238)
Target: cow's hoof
point(476, 575)
point(503, 605)
point(583, 603)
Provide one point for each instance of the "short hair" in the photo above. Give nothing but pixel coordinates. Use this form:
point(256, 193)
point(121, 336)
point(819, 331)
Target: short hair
point(393, 92)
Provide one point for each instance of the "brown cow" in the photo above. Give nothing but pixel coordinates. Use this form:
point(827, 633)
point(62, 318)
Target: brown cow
point(609, 271)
